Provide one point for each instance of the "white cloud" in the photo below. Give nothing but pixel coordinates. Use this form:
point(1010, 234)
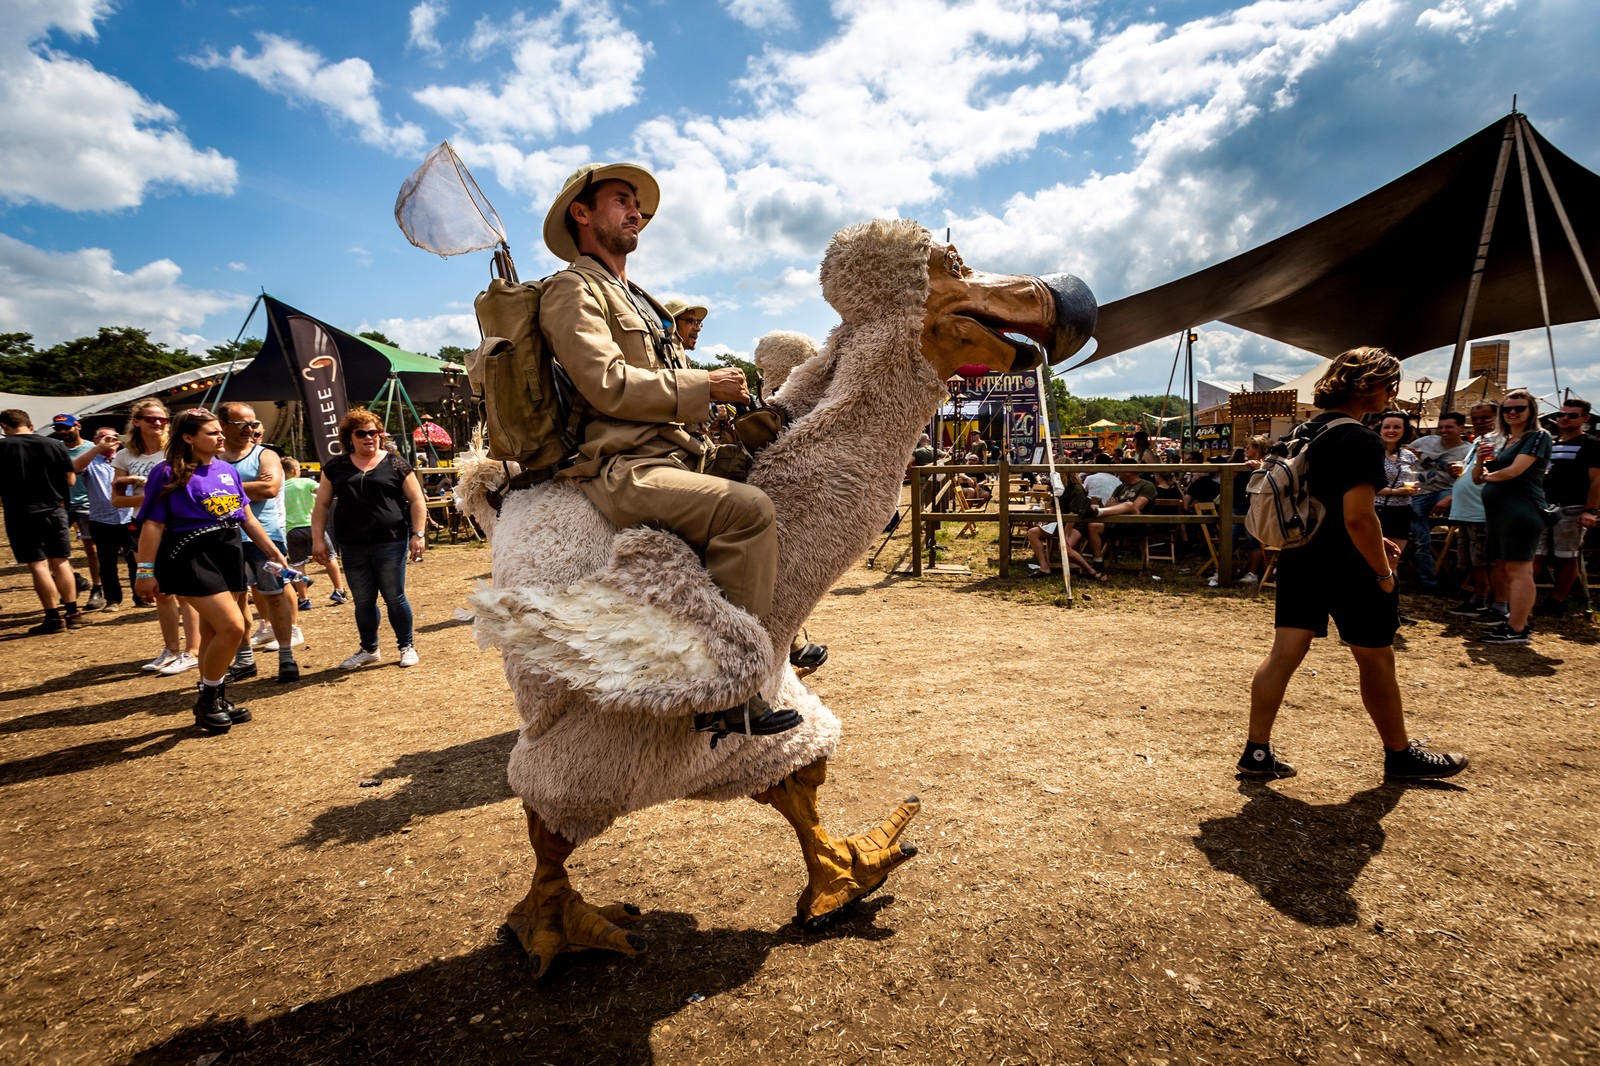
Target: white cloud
point(425, 25)
point(428, 335)
point(360, 254)
point(59, 296)
point(238, 266)
point(762, 14)
point(571, 66)
point(78, 138)
point(346, 90)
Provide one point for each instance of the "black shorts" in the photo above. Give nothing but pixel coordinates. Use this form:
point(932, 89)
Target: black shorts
point(1310, 592)
point(38, 536)
point(201, 565)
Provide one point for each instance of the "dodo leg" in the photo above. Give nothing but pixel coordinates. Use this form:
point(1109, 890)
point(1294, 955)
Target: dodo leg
point(839, 869)
point(553, 918)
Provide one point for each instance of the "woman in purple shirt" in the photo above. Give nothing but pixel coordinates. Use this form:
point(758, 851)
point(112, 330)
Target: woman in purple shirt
point(189, 546)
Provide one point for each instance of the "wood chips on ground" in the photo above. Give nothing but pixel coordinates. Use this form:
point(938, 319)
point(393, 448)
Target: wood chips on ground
point(1094, 885)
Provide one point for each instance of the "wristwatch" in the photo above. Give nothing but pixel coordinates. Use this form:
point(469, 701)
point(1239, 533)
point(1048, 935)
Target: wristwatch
point(1385, 577)
point(1591, 510)
point(420, 536)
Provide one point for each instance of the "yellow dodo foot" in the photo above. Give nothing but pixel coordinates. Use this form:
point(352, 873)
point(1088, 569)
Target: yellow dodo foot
point(553, 917)
point(840, 870)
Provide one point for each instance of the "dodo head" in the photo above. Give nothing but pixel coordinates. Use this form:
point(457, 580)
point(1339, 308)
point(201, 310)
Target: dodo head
point(889, 269)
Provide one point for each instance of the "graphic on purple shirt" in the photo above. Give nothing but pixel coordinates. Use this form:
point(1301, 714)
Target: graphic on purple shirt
point(212, 494)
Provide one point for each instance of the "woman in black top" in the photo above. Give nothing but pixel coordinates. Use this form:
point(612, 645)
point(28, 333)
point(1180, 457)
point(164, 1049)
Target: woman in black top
point(380, 519)
point(1512, 477)
point(1346, 571)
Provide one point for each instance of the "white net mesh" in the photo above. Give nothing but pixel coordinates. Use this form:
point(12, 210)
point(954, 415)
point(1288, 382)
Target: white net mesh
point(441, 209)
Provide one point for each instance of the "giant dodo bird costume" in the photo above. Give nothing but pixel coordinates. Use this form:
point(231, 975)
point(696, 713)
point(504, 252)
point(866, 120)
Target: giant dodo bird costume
point(613, 639)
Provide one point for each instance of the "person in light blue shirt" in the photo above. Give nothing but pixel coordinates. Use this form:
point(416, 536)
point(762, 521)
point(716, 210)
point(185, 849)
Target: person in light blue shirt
point(1472, 531)
point(108, 524)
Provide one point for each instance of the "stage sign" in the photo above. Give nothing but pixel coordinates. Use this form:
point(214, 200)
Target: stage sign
point(1277, 403)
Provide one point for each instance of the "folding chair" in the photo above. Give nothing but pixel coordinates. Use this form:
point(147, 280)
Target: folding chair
point(1210, 511)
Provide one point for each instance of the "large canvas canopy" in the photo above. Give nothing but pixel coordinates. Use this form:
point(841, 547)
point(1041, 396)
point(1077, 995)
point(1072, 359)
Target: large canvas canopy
point(1394, 267)
point(366, 365)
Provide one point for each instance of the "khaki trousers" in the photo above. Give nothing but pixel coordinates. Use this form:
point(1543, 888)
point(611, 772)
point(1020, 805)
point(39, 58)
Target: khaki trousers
point(730, 523)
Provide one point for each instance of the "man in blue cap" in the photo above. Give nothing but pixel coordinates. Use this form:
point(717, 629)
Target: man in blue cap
point(69, 431)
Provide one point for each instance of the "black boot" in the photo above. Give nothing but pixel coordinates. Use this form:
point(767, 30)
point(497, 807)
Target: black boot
point(235, 714)
point(752, 718)
point(209, 714)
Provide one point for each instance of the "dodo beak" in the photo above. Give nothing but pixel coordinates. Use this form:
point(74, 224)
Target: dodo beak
point(1075, 315)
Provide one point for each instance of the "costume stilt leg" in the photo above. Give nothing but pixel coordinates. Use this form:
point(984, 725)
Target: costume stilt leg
point(839, 870)
point(553, 917)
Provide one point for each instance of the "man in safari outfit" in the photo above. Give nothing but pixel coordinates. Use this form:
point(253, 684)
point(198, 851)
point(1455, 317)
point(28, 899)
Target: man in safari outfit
point(637, 462)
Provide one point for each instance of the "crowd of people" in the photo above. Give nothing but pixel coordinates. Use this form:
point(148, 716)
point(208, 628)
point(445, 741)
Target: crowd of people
point(1520, 499)
point(209, 526)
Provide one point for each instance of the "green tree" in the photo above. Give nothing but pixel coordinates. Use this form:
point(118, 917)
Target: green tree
point(751, 374)
point(231, 351)
point(116, 358)
point(375, 335)
point(454, 353)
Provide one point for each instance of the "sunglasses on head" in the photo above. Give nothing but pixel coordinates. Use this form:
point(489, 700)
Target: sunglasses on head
point(365, 433)
point(199, 412)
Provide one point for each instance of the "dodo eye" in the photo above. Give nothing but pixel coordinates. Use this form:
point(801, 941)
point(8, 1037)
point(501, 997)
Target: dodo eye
point(952, 260)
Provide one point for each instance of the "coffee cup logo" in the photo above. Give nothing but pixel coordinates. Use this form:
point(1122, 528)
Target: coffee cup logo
point(318, 363)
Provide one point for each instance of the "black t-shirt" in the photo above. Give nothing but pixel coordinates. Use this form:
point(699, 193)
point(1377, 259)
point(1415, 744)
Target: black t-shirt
point(33, 474)
point(369, 506)
point(1567, 482)
point(1339, 459)
point(1205, 489)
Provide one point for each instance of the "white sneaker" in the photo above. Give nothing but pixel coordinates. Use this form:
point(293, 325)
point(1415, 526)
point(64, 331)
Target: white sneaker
point(361, 658)
point(166, 656)
point(181, 662)
point(262, 634)
point(1248, 580)
point(408, 656)
point(295, 638)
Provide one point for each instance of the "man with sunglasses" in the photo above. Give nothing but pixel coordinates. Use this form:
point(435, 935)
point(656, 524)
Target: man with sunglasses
point(1573, 484)
point(261, 473)
point(640, 457)
point(1472, 529)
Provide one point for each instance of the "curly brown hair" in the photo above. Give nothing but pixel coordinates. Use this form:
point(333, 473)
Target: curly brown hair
point(1354, 372)
point(356, 418)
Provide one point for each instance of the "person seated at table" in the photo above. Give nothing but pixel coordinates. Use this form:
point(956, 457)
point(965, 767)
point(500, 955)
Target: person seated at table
point(1075, 502)
point(1102, 484)
point(1131, 497)
point(1167, 489)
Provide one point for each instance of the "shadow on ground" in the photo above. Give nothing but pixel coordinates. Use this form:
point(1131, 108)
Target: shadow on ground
point(1303, 858)
point(456, 778)
point(482, 1007)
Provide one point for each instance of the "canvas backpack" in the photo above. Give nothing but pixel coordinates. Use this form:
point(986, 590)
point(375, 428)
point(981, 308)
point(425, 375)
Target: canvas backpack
point(530, 410)
point(1283, 513)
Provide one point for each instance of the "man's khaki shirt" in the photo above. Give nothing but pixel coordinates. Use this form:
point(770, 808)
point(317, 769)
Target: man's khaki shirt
point(640, 402)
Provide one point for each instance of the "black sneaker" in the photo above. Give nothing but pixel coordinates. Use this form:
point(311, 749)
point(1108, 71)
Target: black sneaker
point(753, 718)
point(97, 599)
point(1263, 762)
point(1490, 617)
point(288, 671)
point(1504, 634)
point(1466, 609)
point(240, 673)
point(1416, 763)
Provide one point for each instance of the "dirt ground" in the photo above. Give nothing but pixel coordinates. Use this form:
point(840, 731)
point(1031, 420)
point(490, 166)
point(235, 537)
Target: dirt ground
point(326, 884)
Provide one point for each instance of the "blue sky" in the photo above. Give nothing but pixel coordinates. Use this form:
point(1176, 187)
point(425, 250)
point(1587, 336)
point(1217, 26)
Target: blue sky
point(166, 161)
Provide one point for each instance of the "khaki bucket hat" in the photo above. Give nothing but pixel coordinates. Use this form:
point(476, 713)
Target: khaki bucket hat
point(556, 237)
point(678, 307)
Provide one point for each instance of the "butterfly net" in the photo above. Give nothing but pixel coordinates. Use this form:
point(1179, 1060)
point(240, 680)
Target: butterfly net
point(441, 209)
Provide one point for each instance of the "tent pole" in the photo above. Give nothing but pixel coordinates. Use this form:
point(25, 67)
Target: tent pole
point(426, 438)
point(1533, 244)
point(222, 386)
point(1478, 264)
point(1566, 223)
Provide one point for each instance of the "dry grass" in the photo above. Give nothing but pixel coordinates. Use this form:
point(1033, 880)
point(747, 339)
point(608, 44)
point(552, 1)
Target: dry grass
point(1094, 885)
